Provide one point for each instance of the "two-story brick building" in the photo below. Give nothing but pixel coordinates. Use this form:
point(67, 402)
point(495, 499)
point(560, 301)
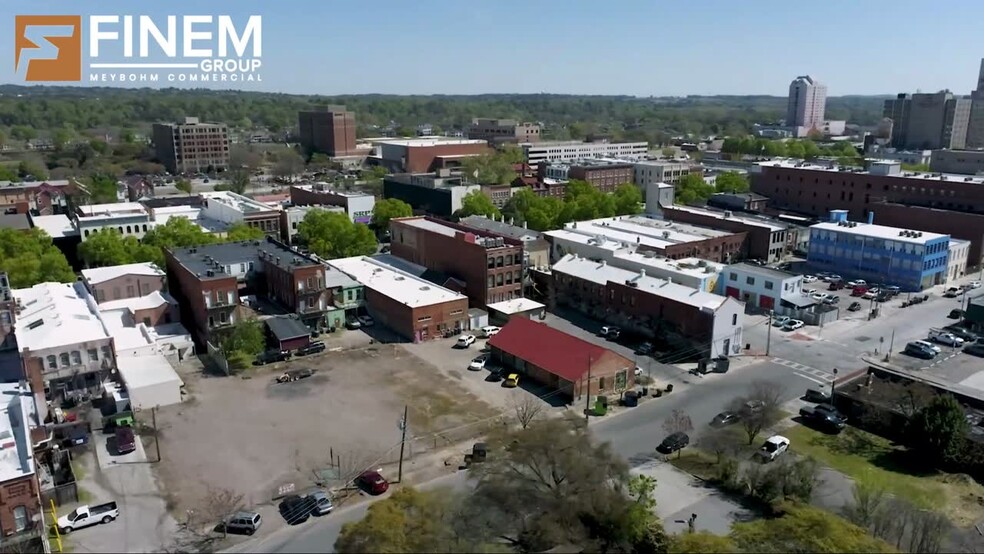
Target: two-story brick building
point(20, 500)
point(119, 282)
point(490, 266)
point(764, 239)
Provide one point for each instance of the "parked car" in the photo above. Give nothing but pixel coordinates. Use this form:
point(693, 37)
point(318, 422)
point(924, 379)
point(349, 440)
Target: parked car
point(246, 523)
point(312, 348)
point(752, 407)
point(809, 279)
point(917, 350)
point(295, 375)
point(816, 395)
point(126, 442)
point(952, 292)
point(724, 419)
point(512, 380)
point(366, 320)
point(976, 349)
point(855, 306)
point(272, 356)
point(644, 349)
point(674, 442)
point(780, 321)
point(832, 299)
point(322, 503)
point(945, 337)
point(478, 364)
point(974, 284)
point(955, 314)
point(859, 291)
point(836, 285)
point(825, 420)
point(820, 296)
point(965, 334)
point(615, 334)
point(296, 509)
point(489, 331)
point(352, 322)
point(84, 516)
point(929, 345)
point(372, 482)
point(774, 447)
point(608, 330)
point(464, 341)
point(869, 295)
point(893, 290)
point(792, 325)
point(857, 283)
point(809, 292)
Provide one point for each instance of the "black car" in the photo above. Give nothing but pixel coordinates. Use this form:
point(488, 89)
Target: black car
point(674, 442)
point(955, 314)
point(829, 409)
point(724, 419)
point(816, 395)
point(822, 419)
point(271, 356)
point(297, 509)
point(644, 349)
point(963, 333)
point(975, 349)
point(855, 306)
point(313, 348)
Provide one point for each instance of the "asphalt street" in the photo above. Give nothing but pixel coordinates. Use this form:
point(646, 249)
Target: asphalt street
point(633, 434)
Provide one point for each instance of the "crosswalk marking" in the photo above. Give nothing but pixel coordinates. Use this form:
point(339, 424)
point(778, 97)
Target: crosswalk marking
point(805, 371)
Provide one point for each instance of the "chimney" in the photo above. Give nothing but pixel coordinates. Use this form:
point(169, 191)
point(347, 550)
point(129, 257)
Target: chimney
point(642, 273)
point(510, 220)
point(871, 217)
point(524, 225)
point(603, 263)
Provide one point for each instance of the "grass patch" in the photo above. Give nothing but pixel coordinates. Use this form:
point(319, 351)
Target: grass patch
point(875, 461)
point(85, 497)
point(695, 462)
point(78, 471)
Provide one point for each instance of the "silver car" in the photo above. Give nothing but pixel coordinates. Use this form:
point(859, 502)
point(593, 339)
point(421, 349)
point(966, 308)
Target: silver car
point(322, 504)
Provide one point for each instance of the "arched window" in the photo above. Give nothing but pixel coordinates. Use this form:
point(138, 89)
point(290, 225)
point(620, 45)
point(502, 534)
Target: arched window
point(128, 229)
point(121, 229)
point(86, 232)
point(144, 227)
point(52, 362)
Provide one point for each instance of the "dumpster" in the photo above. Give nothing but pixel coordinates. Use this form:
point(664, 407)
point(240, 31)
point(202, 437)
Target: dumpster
point(721, 364)
point(479, 452)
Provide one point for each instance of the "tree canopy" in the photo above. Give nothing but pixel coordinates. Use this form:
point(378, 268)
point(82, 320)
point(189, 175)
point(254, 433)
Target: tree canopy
point(240, 231)
point(389, 208)
point(242, 342)
point(581, 201)
point(477, 203)
point(805, 529)
point(730, 181)
point(692, 189)
point(30, 257)
point(495, 168)
point(108, 247)
point(938, 429)
point(178, 232)
point(333, 235)
point(806, 149)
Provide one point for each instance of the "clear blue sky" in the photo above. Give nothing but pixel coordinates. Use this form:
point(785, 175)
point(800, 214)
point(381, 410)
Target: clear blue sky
point(635, 47)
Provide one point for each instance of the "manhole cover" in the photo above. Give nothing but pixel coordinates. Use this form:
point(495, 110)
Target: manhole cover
point(862, 339)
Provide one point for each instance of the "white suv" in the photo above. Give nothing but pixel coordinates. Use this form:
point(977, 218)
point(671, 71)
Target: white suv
point(773, 448)
point(464, 341)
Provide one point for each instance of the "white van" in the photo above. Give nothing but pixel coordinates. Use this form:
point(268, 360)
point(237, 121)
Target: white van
point(489, 331)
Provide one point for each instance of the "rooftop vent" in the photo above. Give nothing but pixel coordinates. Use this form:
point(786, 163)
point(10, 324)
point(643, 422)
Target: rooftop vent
point(399, 278)
point(727, 214)
point(210, 273)
point(631, 283)
point(425, 287)
point(666, 234)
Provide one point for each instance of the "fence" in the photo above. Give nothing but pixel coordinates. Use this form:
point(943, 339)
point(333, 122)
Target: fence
point(216, 357)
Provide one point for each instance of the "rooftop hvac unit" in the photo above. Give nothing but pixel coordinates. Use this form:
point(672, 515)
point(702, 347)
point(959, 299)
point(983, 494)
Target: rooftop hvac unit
point(649, 254)
point(210, 273)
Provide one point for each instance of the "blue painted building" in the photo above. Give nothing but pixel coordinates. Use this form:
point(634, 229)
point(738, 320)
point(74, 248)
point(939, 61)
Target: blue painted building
point(912, 260)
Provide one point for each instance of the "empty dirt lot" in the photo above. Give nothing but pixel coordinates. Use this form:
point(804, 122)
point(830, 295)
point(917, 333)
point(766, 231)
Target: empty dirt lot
point(252, 435)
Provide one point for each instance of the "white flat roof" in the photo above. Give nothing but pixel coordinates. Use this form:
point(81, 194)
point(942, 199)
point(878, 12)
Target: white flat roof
point(127, 333)
point(429, 225)
point(629, 231)
point(144, 371)
point(145, 302)
point(393, 283)
point(429, 141)
point(516, 305)
point(878, 231)
point(718, 214)
point(242, 203)
point(692, 267)
point(103, 274)
point(912, 175)
point(56, 226)
point(115, 209)
point(601, 273)
point(16, 416)
point(56, 314)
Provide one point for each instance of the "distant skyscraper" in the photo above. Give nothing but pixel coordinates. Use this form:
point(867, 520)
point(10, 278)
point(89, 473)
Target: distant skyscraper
point(975, 126)
point(807, 103)
point(980, 77)
point(327, 129)
point(927, 121)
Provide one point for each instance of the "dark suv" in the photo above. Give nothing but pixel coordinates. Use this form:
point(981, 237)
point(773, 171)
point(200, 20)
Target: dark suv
point(297, 509)
point(313, 348)
point(674, 442)
point(271, 356)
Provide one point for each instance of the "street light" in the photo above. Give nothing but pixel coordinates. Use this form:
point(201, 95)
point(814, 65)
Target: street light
point(833, 383)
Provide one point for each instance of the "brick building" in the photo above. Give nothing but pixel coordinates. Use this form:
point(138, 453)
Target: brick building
point(490, 266)
point(691, 320)
point(329, 130)
point(426, 154)
point(411, 306)
point(604, 177)
point(192, 146)
point(570, 366)
point(231, 208)
point(499, 131)
point(124, 281)
point(764, 239)
point(358, 206)
point(815, 190)
point(20, 500)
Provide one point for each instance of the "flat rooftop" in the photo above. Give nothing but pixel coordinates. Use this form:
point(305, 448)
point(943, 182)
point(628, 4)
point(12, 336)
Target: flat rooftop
point(446, 230)
point(691, 267)
point(762, 271)
point(56, 226)
point(102, 274)
point(17, 414)
point(239, 202)
point(878, 231)
point(910, 175)
point(731, 216)
point(500, 228)
point(325, 188)
point(429, 141)
point(145, 371)
point(33, 184)
point(56, 315)
point(196, 259)
point(553, 144)
point(603, 273)
point(516, 306)
point(393, 283)
point(623, 232)
point(113, 210)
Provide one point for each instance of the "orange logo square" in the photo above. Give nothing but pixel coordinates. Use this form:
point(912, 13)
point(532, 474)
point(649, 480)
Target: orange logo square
point(48, 47)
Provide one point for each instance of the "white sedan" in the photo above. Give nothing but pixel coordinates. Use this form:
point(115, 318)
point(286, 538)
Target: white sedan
point(857, 283)
point(809, 279)
point(774, 447)
point(974, 284)
point(464, 341)
point(820, 296)
point(478, 364)
point(948, 339)
point(793, 324)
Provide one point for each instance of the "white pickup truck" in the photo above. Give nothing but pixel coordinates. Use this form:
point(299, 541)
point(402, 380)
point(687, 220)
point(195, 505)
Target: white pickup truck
point(84, 516)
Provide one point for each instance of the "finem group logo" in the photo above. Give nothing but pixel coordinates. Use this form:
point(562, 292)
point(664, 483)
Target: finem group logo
point(128, 48)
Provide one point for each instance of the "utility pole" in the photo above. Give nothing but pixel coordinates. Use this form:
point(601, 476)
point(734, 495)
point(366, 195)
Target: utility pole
point(587, 397)
point(768, 335)
point(157, 440)
point(403, 442)
point(891, 346)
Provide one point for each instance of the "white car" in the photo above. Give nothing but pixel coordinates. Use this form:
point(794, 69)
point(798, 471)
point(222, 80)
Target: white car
point(774, 447)
point(974, 284)
point(820, 296)
point(793, 324)
point(808, 292)
point(809, 279)
point(638, 371)
point(780, 321)
point(490, 331)
point(869, 295)
point(948, 339)
point(857, 283)
point(464, 341)
point(929, 345)
point(478, 364)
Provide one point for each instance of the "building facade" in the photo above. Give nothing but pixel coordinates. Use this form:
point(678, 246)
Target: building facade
point(329, 130)
point(764, 239)
point(956, 261)
point(536, 250)
point(762, 287)
point(192, 146)
point(499, 131)
point(21, 515)
point(130, 219)
point(292, 216)
point(414, 308)
point(911, 260)
point(357, 205)
point(807, 103)
point(965, 162)
point(659, 171)
point(38, 197)
point(437, 194)
point(120, 282)
point(231, 208)
point(571, 151)
point(491, 267)
point(426, 154)
point(929, 120)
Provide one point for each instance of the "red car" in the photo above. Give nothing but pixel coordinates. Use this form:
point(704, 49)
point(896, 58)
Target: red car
point(859, 291)
point(372, 482)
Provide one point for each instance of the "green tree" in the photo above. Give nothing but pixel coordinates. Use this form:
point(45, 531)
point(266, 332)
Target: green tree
point(320, 161)
point(477, 203)
point(692, 189)
point(922, 168)
point(244, 156)
point(239, 232)
point(386, 209)
point(288, 164)
point(238, 181)
point(109, 247)
point(32, 168)
point(938, 430)
point(702, 542)
point(242, 342)
point(101, 189)
point(805, 529)
point(61, 137)
point(178, 232)
point(489, 169)
point(628, 199)
point(3, 138)
point(29, 258)
point(8, 174)
point(23, 132)
point(730, 181)
point(184, 185)
point(512, 153)
point(333, 235)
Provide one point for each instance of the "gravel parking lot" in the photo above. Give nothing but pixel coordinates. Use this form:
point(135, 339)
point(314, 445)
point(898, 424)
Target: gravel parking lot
point(252, 436)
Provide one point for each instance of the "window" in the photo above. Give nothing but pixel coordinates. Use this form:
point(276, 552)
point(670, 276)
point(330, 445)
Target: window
point(734, 319)
point(498, 280)
point(76, 357)
point(129, 291)
point(52, 362)
point(107, 352)
point(768, 285)
point(116, 293)
point(750, 280)
point(491, 262)
point(733, 276)
point(146, 321)
point(20, 518)
point(93, 355)
point(498, 261)
point(100, 295)
point(146, 288)
point(64, 359)
point(424, 318)
point(491, 280)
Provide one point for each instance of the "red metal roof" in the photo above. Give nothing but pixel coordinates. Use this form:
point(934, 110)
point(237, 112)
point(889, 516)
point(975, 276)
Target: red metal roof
point(563, 355)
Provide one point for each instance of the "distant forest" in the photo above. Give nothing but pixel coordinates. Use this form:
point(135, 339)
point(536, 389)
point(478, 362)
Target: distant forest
point(654, 119)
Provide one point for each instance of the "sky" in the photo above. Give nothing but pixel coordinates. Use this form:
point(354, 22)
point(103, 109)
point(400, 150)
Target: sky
point(630, 47)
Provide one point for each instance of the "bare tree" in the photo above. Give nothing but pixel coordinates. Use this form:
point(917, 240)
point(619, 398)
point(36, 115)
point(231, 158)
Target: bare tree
point(678, 422)
point(527, 408)
point(868, 502)
point(926, 531)
point(759, 408)
point(721, 442)
point(197, 533)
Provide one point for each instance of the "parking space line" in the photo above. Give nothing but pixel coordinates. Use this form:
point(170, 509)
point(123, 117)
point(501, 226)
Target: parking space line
point(812, 378)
